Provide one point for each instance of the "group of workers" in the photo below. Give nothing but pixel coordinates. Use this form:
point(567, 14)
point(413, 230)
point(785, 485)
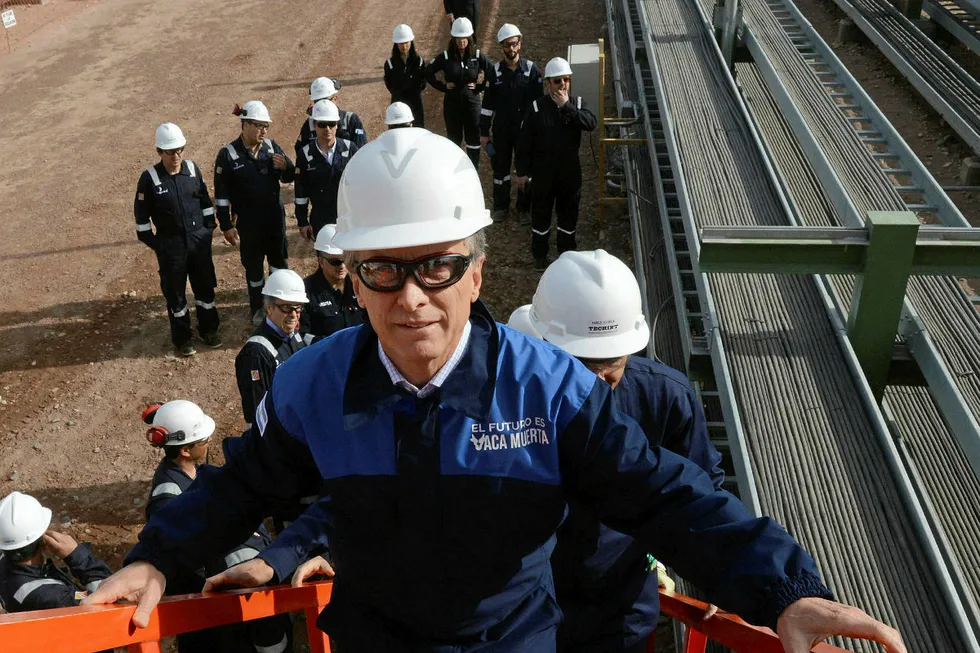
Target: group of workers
point(466, 483)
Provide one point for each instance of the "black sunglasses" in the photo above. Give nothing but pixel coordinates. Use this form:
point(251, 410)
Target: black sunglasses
point(258, 125)
point(322, 124)
point(432, 272)
point(559, 80)
point(336, 262)
point(178, 150)
point(289, 308)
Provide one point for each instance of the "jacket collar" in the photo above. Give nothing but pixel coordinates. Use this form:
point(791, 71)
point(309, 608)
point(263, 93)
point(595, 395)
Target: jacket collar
point(468, 389)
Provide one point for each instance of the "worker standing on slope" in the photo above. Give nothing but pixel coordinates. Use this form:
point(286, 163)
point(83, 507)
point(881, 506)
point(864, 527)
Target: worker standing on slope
point(247, 174)
point(588, 303)
point(456, 446)
point(349, 126)
point(173, 197)
point(468, 9)
point(547, 152)
point(514, 83)
point(464, 71)
point(404, 73)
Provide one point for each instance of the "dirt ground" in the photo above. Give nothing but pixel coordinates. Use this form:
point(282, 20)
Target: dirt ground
point(83, 324)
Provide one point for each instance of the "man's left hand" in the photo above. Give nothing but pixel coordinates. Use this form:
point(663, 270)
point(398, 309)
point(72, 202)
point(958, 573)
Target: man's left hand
point(306, 232)
point(254, 573)
point(450, 18)
point(279, 161)
point(560, 97)
point(61, 545)
point(810, 621)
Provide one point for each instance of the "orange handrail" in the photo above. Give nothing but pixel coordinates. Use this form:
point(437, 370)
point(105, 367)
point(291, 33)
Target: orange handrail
point(92, 628)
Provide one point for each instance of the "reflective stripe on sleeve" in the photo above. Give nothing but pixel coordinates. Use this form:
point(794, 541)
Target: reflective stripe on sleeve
point(25, 590)
point(153, 175)
point(241, 555)
point(500, 181)
point(222, 202)
point(143, 227)
point(165, 488)
point(535, 105)
point(578, 103)
point(486, 112)
point(262, 340)
point(190, 169)
point(302, 201)
point(231, 151)
point(94, 585)
point(208, 211)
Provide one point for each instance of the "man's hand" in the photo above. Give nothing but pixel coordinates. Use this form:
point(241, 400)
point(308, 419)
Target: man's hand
point(254, 573)
point(560, 97)
point(450, 18)
point(140, 582)
point(278, 161)
point(231, 236)
point(312, 567)
point(450, 84)
point(520, 182)
point(809, 621)
point(306, 232)
point(59, 544)
point(484, 140)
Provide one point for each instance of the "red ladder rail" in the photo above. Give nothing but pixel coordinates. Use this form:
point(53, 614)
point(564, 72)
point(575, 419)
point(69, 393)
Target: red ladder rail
point(93, 628)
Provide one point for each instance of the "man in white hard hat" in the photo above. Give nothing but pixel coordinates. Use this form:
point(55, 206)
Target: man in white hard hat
point(547, 152)
point(319, 166)
point(399, 115)
point(184, 433)
point(29, 580)
point(469, 9)
point(404, 73)
point(333, 305)
point(172, 197)
point(588, 303)
point(464, 71)
point(349, 125)
point(447, 461)
point(520, 319)
point(247, 177)
point(275, 340)
point(514, 83)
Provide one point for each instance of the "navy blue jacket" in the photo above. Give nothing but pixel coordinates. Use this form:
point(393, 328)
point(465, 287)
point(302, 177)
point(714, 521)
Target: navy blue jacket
point(46, 586)
point(508, 96)
point(441, 513)
point(179, 206)
point(609, 599)
point(247, 185)
point(318, 182)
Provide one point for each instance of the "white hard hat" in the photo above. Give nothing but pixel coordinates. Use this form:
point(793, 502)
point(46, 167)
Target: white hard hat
point(325, 110)
point(177, 423)
point(520, 319)
point(324, 241)
point(285, 285)
point(402, 34)
point(322, 87)
point(507, 31)
point(169, 137)
point(588, 303)
point(557, 67)
point(254, 110)
point(398, 113)
point(462, 28)
point(23, 520)
point(408, 187)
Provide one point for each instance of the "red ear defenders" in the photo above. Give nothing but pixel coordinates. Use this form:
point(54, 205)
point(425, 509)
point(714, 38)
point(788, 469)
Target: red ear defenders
point(159, 436)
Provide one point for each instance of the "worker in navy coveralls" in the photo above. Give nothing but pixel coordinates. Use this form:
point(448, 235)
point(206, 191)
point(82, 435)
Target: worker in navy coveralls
point(447, 452)
point(589, 304)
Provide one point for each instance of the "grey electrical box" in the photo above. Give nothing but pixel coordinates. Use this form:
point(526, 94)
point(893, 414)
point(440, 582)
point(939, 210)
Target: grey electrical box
point(584, 60)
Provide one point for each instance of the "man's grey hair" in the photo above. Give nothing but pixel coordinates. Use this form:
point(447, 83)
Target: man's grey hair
point(477, 244)
point(268, 300)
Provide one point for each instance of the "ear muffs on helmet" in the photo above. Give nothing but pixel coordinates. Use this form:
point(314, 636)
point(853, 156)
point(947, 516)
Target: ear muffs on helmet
point(150, 411)
point(159, 436)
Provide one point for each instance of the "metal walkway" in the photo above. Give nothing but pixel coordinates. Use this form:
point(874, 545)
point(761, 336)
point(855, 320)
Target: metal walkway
point(941, 472)
point(810, 439)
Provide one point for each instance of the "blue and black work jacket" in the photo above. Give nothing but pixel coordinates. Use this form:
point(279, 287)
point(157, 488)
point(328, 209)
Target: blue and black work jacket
point(318, 183)
point(177, 206)
point(600, 574)
point(508, 96)
point(247, 185)
point(46, 586)
point(257, 361)
point(441, 512)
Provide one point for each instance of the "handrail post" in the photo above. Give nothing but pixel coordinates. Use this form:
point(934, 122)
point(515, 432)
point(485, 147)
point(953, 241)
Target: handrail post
point(319, 642)
point(145, 647)
point(696, 642)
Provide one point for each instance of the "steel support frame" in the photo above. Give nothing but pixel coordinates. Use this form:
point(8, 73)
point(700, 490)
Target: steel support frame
point(951, 25)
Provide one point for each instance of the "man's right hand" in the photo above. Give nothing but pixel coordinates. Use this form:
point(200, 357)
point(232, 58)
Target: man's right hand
point(231, 236)
point(520, 182)
point(58, 544)
point(139, 582)
point(254, 573)
point(306, 232)
point(312, 567)
point(451, 18)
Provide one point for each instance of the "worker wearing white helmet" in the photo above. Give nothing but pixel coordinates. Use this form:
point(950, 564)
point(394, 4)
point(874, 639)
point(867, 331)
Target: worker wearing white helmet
point(588, 303)
point(319, 166)
point(349, 125)
point(184, 433)
point(29, 579)
point(274, 341)
point(468, 9)
point(515, 82)
point(247, 177)
point(464, 70)
point(520, 319)
point(437, 437)
point(404, 73)
point(333, 305)
point(548, 153)
point(171, 197)
point(399, 115)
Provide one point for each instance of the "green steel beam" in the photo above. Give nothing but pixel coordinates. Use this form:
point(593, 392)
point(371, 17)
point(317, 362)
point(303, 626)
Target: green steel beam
point(892, 248)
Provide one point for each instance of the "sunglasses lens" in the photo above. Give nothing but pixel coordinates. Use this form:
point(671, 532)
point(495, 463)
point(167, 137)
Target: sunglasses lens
point(336, 262)
point(441, 271)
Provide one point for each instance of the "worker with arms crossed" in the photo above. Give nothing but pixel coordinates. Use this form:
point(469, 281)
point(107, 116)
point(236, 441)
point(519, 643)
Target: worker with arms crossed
point(446, 449)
